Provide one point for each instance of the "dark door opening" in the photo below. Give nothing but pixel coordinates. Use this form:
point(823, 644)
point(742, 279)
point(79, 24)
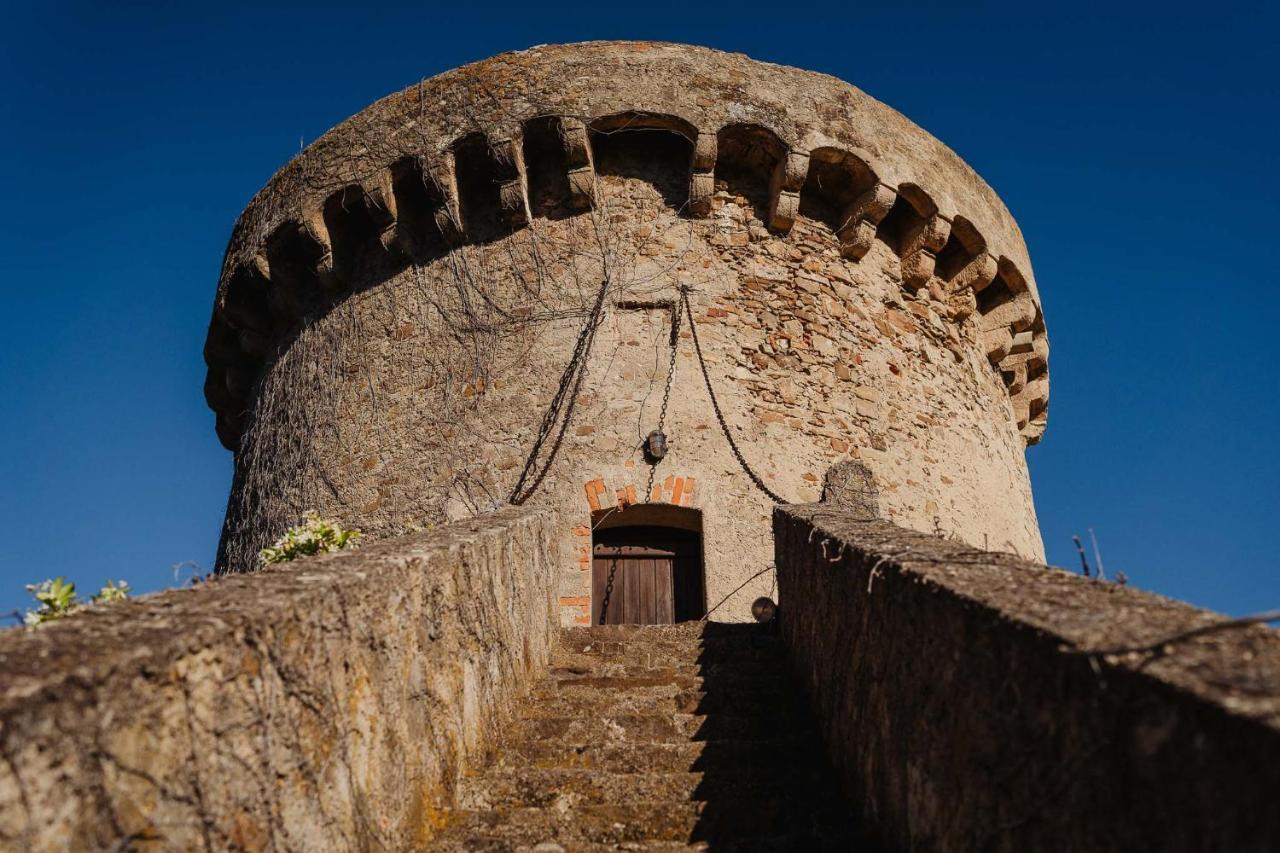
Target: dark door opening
point(646, 575)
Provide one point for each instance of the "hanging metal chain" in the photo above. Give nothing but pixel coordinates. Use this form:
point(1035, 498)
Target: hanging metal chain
point(671, 368)
point(566, 398)
point(715, 404)
point(608, 592)
point(666, 392)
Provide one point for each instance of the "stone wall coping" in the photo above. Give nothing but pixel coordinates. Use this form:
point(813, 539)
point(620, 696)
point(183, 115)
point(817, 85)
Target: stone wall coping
point(971, 700)
point(332, 702)
point(131, 636)
point(1237, 670)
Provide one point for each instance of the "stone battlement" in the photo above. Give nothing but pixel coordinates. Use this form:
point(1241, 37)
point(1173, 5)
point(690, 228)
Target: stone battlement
point(484, 150)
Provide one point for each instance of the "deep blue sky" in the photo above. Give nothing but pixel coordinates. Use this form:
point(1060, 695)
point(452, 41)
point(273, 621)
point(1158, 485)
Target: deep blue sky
point(1136, 147)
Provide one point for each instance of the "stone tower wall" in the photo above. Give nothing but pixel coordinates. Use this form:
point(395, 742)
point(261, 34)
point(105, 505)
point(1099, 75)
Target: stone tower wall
point(399, 305)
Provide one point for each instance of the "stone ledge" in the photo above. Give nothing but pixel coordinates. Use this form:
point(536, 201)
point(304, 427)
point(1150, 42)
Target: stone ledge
point(962, 710)
point(329, 703)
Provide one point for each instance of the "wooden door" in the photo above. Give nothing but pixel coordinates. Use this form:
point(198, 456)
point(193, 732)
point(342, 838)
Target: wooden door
point(645, 576)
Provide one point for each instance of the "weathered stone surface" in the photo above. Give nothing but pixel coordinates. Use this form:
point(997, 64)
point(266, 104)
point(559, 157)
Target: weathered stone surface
point(971, 700)
point(641, 737)
point(329, 704)
point(851, 487)
point(426, 376)
point(705, 88)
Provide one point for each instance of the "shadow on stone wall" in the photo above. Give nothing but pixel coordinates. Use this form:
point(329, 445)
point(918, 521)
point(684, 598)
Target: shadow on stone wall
point(975, 701)
point(766, 780)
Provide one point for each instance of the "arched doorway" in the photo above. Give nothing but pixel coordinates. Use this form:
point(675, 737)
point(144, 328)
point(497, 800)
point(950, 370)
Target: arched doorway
point(646, 566)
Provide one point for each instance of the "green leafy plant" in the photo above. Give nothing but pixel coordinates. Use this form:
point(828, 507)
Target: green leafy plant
point(57, 598)
point(112, 591)
point(314, 536)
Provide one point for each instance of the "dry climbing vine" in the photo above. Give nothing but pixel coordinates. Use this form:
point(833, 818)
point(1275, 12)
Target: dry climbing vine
point(408, 358)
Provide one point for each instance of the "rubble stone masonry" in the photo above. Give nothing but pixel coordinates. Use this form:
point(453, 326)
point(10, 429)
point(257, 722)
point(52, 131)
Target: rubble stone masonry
point(330, 704)
point(399, 305)
point(976, 701)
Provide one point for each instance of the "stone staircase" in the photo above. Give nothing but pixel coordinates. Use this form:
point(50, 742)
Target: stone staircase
point(666, 737)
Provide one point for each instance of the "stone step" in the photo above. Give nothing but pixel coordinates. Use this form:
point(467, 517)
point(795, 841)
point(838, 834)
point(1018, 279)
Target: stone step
point(728, 672)
point(663, 658)
point(621, 823)
point(460, 842)
point(566, 665)
point(545, 723)
point(774, 844)
point(758, 644)
point(534, 787)
point(642, 648)
point(679, 632)
point(693, 702)
point(751, 758)
point(606, 697)
point(665, 738)
point(764, 681)
point(740, 680)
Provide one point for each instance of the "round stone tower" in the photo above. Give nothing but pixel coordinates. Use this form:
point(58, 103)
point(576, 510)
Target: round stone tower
point(491, 287)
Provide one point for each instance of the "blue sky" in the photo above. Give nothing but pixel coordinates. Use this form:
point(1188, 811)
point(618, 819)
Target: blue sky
point(1135, 145)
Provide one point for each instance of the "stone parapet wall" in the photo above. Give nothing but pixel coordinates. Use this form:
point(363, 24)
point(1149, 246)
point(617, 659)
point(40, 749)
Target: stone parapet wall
point(975, 701)
point(328, 704)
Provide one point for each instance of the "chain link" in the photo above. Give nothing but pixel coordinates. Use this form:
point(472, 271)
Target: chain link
point(566, 398)
point(608, 592)
point(662, 417)
point(715, 404)
point(671, 368)
point(571, 382)
point(666, 392)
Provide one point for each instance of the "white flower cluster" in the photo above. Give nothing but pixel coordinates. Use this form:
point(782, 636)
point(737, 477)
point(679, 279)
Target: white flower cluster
point(314, 536)
point(57, 598)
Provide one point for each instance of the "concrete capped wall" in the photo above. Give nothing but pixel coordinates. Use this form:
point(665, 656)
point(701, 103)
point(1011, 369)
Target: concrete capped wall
point(974, 701)
point(326, 704)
